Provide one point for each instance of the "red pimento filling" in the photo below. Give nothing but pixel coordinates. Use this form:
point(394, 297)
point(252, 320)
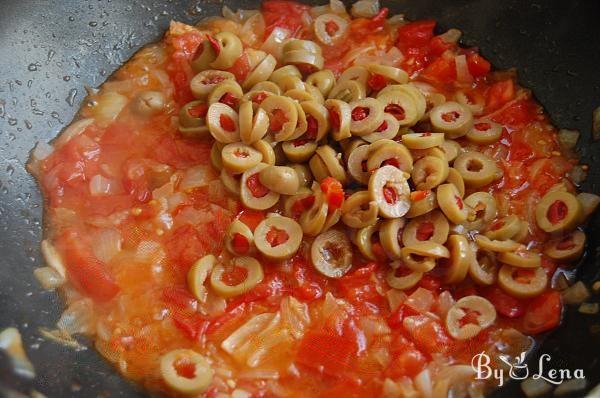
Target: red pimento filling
point(331, 28)
point(229, 99)
point(390, 195)
point(557, 211)
point(185, 368)
point(240, 243)
point(377, 82)
point(214, 44)
point(566, 244)
point(277, 119)
point(426, 134)
point(215, 79)
point(227, 123)
point(259, 98)
point(277, 237)
point(256, 188)
point(382, 127)
point(497, 225)
point(360, 113)
point(415, 196)
point(334, 118)
point(450, 117)
point(239, 153)
point(459, 202)
point(312, 127)
point(391, 162)
point(396, 110)
point(301, 205)
point(300, 142)
point(425, 230)
point(482, 126)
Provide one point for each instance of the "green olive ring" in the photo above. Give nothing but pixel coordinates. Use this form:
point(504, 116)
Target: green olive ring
point(305, 177)
point(279, 226)
point(451, 149)
point(476, 169)
point(218, 112)
point(230, 87)
point(280, 179)
point(256, 97)
point(423, 256)
point(215, 155)
point(204, 82)
point(301, 123)
point(187, 119)
point(276, 104)
point(458, 329)
point(567, 207)
point(299, 95)
point(247, 196)
point(452, 119)
point(521, 258)
point(451, 203)
point(320, 114)
point(231, 49)
point(483, 267)
point(429, 172)
point(387, 130)
point(332, 161)
point(266, 86)
point(355, 73)
point(283, 72)
point(484, 132)
point(254, 275)
point(402, 282)
point(301, 45)
point(390, 235)
point(401, 105)
point(511, 283)
point(253, 124)
point(357, 158)
point(331, 253)
point(435, 152)
point(461, 256)
point(389, 188)
point(350, 144)
point(432, 100)
point(290, 82)
point(305, 59)
point(290, 201)
point(200, 270)
point(314, 92)
point(344, 116)
point(504, 228)
point(484, 210)
point(323, 80)
point(267, 151)
point(299, 151)
point(238, 157)
point(261, 73)
point(239, 228)
point(422, 140)
point(313, 219)
point(332, 219)
point(422, 205)
point(364, 240)
point(434, 223)
point(231, 182)
point(388, 153)
point(413, 92)
point(395, 75)
point(318, 168)
point(566, 249)
point(365, 124)
point(205, 55)
point(496, 246)
point(475, 107)
point(348, 91)
point(455, 178)
point(359, 211)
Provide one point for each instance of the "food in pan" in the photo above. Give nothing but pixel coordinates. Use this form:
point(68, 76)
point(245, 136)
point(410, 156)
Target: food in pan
point(308, 202)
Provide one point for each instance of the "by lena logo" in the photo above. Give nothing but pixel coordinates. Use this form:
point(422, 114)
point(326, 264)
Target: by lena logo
point(518, 369)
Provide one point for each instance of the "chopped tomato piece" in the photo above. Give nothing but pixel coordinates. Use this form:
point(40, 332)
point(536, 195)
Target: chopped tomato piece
point(415, 34)
point(478, 66)
point(360, 113)
point(251, 218)
point(326, 352)
point(438, 46)
point(283, 14)
point(428, 335)
point(358, 287)
point(442, 70)
point(193, 326)
point(257, 189)
point(185, 246)
point(499, 94)
point(179, 297)
point(408, 362)
point(378, 20)
point(505, 304)
point(543, 313)
point(334, 193)
point(240, 243)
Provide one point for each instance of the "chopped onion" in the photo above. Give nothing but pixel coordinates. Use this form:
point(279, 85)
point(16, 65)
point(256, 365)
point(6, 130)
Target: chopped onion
point(196, 177)
point(577, 175)
point(353, 54)
point(365, 8)
point(106, 244)
point(421, 300)
point(73, 130)
point(12, 344)
point(48, 278)
point(306, 20)
point(100, 186)
point(576, 294)
point(451, 36)
point(150, 252)
point(294, 315)
point(192, 216)
point(462, 70)
point(253, 30)
point(107, 107)
point(589, 203)
point(337, 6)
point(62, 338)
point(268, 341)
point(567, 139)
point(53, 258)
point(78, 318)
point(400, 388)
point(445, 301)
point(596, 124)
point(374, 327)
point(589, 308)
point(42, 150)
point(236, 339)
point(274, 43)
point(239, 393)
point(395, 298)
point(570, 387)
point(424, 384)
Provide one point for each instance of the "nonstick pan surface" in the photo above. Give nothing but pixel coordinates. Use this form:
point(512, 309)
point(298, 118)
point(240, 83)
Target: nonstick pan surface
point(49, 50)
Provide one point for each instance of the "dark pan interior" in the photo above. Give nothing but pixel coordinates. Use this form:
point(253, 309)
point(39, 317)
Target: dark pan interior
point(50, 49)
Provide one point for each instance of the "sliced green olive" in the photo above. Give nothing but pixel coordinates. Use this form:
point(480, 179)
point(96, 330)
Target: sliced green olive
point(476, 169)
point(391, 73)
point(205, 55)
point(149, 103)
point(348, 91)
point(589, 203)
point(461, 256)
point(483, 267)
point(340, 117)
point(204, 82)
point(239, 239)
point(266, 150)
point(301, 45)
point(405, 281)
point(432, 226)
point(391, 153)
point(324, 80)
point(331, 253)
point(359, 211)
point(215, 155)
point(523, 234)
point(198, 274)
point(497, 246)
point(451, 203)
point(283, 72)
point(475, 102)
point(422, 140)
point(451, 150)
point(413, 92)
point(389, 188)
point(223, 123)
point(253, 125)
point(280, 179)
point(290, 82)
point(484, 210)
point(232, 182)
point(504, 228)
point(316, 114)
point(364, 240)
point(466, 306)
point(230, 50)
point(299, 95)
point(228, 92)
point(253, 193)
point(299, 150)
point(194, 384)
point(522, 282)
point(301, 124)
point(332, 219)
point(484, 132)
point(429, 172)
point(434, 151)
point(238, 157)
point(278, 237)
point(455, 178)
point(423, 256)
point(558, 212)
point(357, 164)
point(566, 249)
point(313, 219)
point(452, 119)
point(387, 130)
point(400, 105)
point(254, 275)
point(305, 177)
point(332, 161)
point(193, 114)
point(304, 59)
point(355, 73)
point(314, 93)
point(422, 202)
point(261, 72)
point(521, 258)
point(366, 116)
point(283, 116)
point(267, 86)
point(390, 232)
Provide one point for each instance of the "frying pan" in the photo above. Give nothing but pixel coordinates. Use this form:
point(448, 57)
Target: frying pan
point(49, 50)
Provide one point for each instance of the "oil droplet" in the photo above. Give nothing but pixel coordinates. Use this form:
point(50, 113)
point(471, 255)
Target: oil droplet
point(29, 83)
point(12, 121)
point(10, 170)
point(27, 124)
point(71, 97)
point(33, 67)
point(66, 78)
point(93, 24)
point(56, 116)
point(71, 18)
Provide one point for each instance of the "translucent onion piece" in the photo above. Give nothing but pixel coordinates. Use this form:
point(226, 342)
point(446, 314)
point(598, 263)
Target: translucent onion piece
point(42, 150)
point(48, 278)
point(195, 177)
point(53, 258)
point(78, 318)
point(462, 70)
point(107, 107)
point(365, 8)
point(100, 186)
point(106, 244)
point(12, 344)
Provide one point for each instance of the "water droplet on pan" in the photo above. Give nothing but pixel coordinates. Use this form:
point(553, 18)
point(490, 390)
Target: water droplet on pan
point(71, 97)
